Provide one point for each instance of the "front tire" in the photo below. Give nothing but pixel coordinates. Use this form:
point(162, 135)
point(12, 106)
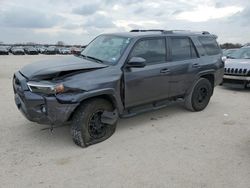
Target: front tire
point(87, 128)
point(199, 97)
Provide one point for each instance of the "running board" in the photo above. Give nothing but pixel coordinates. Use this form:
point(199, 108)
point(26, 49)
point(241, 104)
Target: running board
point(130, 112)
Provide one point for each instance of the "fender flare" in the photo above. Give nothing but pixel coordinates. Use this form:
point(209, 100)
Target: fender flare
point(198, 76)
point(109, 92)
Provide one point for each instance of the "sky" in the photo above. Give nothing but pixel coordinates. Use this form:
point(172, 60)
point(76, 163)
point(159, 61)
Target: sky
point(79, 21)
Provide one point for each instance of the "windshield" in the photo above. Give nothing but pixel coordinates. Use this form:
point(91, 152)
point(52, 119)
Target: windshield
point(242, 53)
point(228, 52)
point(106, 48)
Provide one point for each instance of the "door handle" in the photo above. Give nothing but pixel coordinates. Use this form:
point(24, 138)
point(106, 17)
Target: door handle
point(165, 71)
point(196, 65)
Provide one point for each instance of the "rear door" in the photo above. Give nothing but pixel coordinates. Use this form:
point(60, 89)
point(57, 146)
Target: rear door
point(184, 64)
point(149, 83)
point(212, 57)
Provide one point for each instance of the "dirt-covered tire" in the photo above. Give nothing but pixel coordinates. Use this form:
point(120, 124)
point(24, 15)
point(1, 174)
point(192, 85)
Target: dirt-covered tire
point(87, 128)
point(199, 97)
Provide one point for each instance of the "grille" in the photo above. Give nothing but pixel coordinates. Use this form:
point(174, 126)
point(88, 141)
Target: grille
point(234, 71)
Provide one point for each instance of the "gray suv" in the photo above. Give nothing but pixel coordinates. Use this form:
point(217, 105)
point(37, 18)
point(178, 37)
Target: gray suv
point(120, 75)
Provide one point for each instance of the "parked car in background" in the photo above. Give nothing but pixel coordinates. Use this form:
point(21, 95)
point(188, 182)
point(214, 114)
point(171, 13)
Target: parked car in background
point(237, 68)
point(17, 50)
point(76, 51)
point(8, 48)
point(64, 51)
point(30, 50)
point(228, 52)
point(41, 49)
point(51, 50)
point(120, 75)
point(246, 45)
point(4, 50)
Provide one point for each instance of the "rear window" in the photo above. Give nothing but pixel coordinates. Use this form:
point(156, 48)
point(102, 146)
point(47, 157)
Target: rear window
point(210, 45)
point(182, 49)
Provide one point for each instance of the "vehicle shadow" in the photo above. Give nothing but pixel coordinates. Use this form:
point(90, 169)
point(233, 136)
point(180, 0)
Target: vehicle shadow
point(61, 137)
point(151, 117)
point(235, 88)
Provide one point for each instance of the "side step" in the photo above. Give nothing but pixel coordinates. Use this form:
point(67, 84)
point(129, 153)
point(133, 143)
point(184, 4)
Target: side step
point(133, 111)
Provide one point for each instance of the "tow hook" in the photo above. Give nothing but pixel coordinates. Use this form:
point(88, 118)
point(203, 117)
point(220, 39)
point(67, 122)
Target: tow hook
point(109, 117)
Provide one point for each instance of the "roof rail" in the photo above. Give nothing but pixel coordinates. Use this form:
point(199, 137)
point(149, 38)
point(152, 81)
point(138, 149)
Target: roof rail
point(149, 30)
point(170, 31)
point(188, 31)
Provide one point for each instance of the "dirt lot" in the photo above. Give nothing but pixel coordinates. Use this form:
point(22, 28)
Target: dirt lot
point(167, 148)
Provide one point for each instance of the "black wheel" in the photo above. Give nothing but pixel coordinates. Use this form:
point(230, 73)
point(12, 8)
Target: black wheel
point(87, 128)
point(199, 96)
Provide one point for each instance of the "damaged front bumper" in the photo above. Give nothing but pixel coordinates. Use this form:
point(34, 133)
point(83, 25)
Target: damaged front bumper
point(40, 108)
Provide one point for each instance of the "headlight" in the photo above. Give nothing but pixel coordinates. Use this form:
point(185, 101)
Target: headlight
point(45, 88)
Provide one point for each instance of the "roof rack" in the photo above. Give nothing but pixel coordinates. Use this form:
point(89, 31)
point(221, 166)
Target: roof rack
point(150, 30)
point(170, 31)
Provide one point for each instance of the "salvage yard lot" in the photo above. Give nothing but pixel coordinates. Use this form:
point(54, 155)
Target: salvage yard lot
point(170, 147)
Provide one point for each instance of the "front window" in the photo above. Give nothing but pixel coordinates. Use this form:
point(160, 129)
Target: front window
point(106, 48)
point(242, 53)
point(152, 50)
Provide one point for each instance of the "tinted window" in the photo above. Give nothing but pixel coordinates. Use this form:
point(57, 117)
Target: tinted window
point(182, 49)
point(153, 50)
point(210, 45)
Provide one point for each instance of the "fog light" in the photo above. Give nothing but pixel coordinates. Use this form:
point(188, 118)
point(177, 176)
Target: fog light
point(43, 109)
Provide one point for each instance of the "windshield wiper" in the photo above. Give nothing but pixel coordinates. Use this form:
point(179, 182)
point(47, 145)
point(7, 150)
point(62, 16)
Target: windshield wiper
point(83, 56)
point(89, 57)
point(94, 58)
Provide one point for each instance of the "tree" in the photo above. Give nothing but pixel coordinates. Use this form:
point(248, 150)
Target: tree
point(230, 45)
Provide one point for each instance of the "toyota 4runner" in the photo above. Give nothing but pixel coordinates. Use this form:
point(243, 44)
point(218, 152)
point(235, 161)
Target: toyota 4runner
point(120, 75)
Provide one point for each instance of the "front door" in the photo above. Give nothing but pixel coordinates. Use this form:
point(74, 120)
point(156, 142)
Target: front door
point(149, 83)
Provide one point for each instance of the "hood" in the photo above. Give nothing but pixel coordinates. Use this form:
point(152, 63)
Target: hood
point(57, 67)
point(238, 63)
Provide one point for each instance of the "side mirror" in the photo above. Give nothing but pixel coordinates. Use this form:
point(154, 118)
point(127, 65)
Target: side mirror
point(136, 62)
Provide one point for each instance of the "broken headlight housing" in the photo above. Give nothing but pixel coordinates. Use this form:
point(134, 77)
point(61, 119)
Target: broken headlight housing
point(46, 88)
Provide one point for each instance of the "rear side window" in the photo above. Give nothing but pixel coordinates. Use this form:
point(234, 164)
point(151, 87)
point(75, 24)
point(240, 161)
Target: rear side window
point(152, 50)
point(210, 45)
point(182, 49)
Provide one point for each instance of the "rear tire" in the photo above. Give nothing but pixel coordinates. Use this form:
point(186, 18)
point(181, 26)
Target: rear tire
point(199, 97)
point(87, 128)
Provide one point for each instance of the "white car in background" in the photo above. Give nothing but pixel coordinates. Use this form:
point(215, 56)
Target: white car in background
point(237, 68)
point(64, 51)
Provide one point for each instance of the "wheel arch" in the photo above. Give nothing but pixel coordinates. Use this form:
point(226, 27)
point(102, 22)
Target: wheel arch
point(210, 77)
point(109, 96)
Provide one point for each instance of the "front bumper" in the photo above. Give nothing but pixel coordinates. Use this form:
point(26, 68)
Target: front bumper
point(232, 79)
point(39, 108)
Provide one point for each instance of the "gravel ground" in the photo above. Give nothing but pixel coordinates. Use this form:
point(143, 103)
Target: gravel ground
point(166, 148)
